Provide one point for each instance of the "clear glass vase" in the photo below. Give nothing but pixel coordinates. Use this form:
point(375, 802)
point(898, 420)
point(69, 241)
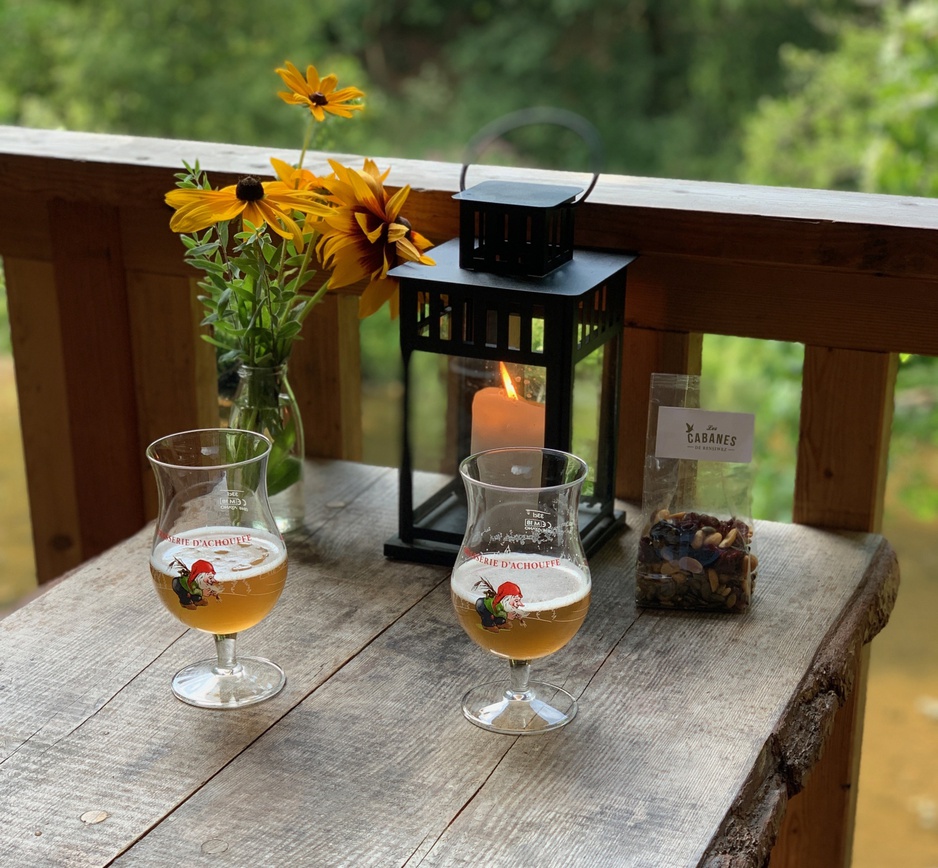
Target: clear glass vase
point(264, 403)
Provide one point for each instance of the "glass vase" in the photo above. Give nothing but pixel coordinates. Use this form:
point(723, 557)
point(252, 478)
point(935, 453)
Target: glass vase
point(265, 403)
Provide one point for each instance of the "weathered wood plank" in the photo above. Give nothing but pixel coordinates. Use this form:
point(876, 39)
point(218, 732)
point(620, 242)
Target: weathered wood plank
point(100, 390)
point(667, 720)
point(818, 743)
point(843, 444)
point(814, 228)
point(176, 384)
point(644, 353)
point(44, 418)
point(377, 766)
point(101, 732)
point(325, 371)
point(806, 305)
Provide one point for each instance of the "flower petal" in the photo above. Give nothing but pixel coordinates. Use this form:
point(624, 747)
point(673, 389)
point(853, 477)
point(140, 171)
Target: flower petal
point(375, 295)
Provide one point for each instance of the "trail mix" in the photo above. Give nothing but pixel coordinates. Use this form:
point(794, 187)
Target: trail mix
point(690, 560)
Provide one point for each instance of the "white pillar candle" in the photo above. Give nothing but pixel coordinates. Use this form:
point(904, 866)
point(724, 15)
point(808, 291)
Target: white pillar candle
point(500, 417)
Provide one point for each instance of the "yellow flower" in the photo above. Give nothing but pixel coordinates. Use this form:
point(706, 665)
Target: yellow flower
point(258, 202)
point(319, 95)
point(297, 178)
point(364, 236)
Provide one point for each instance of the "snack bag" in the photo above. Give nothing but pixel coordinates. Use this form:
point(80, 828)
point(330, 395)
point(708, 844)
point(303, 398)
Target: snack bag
point(695, 551)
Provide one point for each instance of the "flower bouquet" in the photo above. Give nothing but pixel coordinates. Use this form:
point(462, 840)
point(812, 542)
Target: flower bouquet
point(260, 245)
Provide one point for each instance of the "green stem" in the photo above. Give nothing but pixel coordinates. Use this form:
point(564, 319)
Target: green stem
point(307, 140)
point(313, 300)
point(307, 255)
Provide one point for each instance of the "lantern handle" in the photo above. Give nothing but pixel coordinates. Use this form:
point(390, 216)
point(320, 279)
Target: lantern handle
point(530, 117)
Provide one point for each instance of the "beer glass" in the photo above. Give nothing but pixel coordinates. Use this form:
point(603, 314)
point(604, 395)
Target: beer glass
point(218, 561)
point(521, 584)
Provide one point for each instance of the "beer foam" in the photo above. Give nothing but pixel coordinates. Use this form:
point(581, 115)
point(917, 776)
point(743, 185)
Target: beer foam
point(235, 552)
point(546, 583)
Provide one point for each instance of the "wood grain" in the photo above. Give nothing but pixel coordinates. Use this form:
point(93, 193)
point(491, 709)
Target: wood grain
point(110, 738)
point(327, 362)
point(91, 298)
point(44, 418)
point(843, 443)
point(693, 730)
point(644, 353)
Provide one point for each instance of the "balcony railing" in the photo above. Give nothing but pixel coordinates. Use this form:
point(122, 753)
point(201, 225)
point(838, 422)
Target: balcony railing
point(108, 356)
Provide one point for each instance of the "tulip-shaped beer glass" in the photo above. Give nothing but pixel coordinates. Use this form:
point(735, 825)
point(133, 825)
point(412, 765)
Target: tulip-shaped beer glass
point(218, 560)
point(521, 583)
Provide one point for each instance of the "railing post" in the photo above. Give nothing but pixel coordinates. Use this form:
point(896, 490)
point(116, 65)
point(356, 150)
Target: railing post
point(44, 418)
point(645, 352)
point(325, 372)
point(175, 374)
point(846, 418)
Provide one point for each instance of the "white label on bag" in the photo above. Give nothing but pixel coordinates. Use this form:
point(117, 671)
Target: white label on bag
point(704, 435)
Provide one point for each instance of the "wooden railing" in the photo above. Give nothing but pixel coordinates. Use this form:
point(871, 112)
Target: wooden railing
point(108, 356)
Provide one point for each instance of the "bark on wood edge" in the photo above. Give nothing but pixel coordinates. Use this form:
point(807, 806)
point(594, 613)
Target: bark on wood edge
point(748, 833)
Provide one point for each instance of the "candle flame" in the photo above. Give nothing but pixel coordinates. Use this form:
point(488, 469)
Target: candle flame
point(506, 379)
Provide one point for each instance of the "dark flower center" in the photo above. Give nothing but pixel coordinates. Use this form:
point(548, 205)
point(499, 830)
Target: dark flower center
point(249, 189)
point(405, 222)
point(318, 98)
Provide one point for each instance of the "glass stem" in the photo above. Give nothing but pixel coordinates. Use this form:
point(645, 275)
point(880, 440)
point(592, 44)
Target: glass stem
point(520, 674)
point(227, 659)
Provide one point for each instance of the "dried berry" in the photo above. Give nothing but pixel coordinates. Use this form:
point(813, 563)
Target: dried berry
point(695, 561)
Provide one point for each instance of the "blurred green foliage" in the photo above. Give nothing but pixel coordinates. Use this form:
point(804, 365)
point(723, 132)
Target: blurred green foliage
point(666, 82)
point(861, 117)
point(764, 378)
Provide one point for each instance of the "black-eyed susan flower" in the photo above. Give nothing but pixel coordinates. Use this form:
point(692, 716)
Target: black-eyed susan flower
point(297, 178)
point(259, 203)
point(364, 235)
point(319, 95)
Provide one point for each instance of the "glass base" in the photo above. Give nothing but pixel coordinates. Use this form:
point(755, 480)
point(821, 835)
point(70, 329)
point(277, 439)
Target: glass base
point(252, 680)
point(540, 708)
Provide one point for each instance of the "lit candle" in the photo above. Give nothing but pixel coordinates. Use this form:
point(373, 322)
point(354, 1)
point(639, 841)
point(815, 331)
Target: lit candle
point(500, 417)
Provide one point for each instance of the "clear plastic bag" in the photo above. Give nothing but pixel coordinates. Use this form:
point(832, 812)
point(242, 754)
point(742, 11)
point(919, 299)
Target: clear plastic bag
point(695, 551)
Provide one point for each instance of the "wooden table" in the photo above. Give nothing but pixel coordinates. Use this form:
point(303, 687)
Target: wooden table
point(690, 724)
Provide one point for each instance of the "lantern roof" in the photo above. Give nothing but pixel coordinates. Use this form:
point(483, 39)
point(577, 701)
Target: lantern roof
point(587, 269)
point(524, 194)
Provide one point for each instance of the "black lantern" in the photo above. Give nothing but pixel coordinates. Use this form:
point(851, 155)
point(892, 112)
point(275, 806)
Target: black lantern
point(511, 339)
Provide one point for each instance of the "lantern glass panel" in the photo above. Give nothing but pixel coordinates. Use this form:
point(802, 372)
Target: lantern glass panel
point(427, 424)
point(587, 405)
point(459, 405)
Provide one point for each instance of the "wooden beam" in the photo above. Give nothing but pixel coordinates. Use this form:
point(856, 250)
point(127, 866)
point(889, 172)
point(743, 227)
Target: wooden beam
point(175, 378)
point(44, 418)
point(325, 373)
point(95, 336)
point(843, 444)
point(645, 352)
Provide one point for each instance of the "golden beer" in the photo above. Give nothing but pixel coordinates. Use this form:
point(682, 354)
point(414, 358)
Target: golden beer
point(221, 580)
point(550, 608)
